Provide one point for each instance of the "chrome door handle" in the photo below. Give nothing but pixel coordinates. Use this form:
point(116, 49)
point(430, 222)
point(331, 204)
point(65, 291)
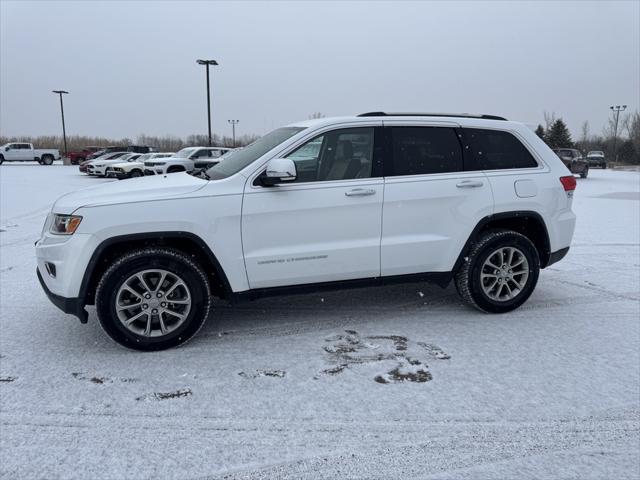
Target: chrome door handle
point(469, 184)
point(360, 192)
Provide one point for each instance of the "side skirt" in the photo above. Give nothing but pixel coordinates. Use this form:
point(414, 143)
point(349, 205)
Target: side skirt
point(439, 278)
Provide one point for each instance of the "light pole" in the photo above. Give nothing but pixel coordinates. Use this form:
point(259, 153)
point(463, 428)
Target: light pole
point(233, 126)
point(64, 132)
point(617, 109)
point(207, 63)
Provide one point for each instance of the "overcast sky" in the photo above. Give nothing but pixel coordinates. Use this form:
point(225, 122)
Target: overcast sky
point(130, 66)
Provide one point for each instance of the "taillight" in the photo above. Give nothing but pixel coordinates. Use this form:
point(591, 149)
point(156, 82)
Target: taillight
point(568, 183)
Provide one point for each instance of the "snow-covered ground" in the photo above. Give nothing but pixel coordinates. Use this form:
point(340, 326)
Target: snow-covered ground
point(310, 386)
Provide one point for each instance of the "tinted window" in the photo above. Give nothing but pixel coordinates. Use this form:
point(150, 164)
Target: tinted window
point(423, 150)
point(337, 155)
point(494, 149)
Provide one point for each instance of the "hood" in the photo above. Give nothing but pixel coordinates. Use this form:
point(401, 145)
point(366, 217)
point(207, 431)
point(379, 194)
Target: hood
point(141, 189)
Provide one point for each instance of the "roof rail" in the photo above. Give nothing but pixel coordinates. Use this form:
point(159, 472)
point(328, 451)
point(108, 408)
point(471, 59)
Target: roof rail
point(465, 115)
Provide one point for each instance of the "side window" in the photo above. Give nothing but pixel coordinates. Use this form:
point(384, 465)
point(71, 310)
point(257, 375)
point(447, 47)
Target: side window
point(424, 150)
point(495, 149)
point(337, 155)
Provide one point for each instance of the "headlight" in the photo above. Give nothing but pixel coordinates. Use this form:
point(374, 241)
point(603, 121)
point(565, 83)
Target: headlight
point(65, 224)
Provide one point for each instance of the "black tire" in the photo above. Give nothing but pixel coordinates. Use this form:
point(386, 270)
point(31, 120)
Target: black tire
point(171, 260)
point(1, 159)
point(46, 160)
point(136, 173)
point(468, 278)
point(175, 169)
point(585, 173)
point(604, 166)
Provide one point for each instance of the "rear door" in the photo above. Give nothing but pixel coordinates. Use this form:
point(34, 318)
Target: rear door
point(326, 225)
point(431, 204)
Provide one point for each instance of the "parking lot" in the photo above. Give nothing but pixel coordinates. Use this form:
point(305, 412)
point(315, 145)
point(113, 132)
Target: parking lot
point(394, 382)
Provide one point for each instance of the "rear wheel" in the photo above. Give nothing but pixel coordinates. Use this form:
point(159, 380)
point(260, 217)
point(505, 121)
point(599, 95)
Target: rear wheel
point(136, 173)
point(153, 299)
point(584, 173)
point(46, 160)
point(500, 272)
point(1, 159)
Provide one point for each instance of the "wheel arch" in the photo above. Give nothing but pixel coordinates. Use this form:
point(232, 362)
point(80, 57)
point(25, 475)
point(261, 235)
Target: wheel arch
point(528, 223)
point(186, 242)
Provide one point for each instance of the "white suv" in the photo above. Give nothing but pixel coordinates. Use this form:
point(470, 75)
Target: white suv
point(183, 161)
point(323, 203)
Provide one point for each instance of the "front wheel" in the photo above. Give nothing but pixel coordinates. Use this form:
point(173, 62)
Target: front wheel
point(584, 173)
point(136, 173)
point(500, 272)
point(153, 298)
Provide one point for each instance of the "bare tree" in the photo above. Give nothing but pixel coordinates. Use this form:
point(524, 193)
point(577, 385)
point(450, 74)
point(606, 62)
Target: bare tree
point(549, 119)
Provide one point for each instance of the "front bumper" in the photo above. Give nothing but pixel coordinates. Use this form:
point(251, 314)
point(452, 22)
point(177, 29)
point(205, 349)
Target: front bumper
point(73, 306)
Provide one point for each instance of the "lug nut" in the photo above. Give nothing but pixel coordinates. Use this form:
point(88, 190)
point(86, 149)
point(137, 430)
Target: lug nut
point(145, 306)
point(159, 294)
point(154, 310)
point(163, 304)
point(147, 295)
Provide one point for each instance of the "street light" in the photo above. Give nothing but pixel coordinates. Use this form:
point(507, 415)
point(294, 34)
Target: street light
point(233, 125)
point(207, 63)
point(64, 132)
point(617, 109)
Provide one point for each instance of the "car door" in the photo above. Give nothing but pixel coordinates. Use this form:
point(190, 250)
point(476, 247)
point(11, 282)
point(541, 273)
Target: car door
point(326, 225)
point(13, 152)
point(431, 204)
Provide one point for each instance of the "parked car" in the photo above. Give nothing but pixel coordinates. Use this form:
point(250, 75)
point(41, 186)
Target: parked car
point(99, 167)
point(106, 150)
point(140, 149)
point(24, 152)
point(76, 157)
point(476, 200)
point(183, 161)
point(134, 168)
point(573, 160)
point(595, 158)
point(204, 163)
point(91, 164)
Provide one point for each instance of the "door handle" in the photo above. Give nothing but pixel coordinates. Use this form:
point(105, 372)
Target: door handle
point(360, 192)
point(470, 184)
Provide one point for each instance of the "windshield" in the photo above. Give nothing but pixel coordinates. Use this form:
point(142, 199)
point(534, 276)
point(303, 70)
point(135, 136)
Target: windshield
point(236, 160)
point(184, 153)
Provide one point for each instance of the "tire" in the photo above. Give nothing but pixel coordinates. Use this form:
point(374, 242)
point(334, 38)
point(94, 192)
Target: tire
point(1, 159)
point(175, 169)
point(136, 173)
point(604, 166)
point(585, 173)
point(468, 279)
point(151, 262)
point(46, 160)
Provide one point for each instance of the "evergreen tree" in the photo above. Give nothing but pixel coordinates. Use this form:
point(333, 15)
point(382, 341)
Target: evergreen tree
point(540, 131)
point(558, 135)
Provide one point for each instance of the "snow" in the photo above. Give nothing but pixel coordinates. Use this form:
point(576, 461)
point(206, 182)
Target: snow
point(396, 382)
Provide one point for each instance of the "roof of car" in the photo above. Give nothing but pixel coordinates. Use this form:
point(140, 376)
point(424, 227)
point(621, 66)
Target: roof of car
point(468, 120)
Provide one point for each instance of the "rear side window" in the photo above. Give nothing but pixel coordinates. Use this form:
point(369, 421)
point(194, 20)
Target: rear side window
point(424, 150)
point(496, 150)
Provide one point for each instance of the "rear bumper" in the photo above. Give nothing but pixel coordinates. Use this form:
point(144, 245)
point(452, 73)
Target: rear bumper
point(73, 306)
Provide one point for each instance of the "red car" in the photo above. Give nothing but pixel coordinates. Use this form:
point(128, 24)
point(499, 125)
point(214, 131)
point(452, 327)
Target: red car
point(82, 155)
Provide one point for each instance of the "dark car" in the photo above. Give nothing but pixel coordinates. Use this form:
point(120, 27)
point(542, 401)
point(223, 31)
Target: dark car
point(140, 149)
point(573, 160)
point(105, 150)
point(595, 158)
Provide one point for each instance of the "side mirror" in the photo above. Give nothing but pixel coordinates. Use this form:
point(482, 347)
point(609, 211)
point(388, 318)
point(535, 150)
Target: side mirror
point(6, 149)
point(279, 170)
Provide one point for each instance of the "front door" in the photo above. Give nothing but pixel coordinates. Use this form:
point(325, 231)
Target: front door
point(323, 227)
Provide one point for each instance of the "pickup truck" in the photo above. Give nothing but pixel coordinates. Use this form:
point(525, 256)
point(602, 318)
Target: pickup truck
point(24, 152)
point(80, 156)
